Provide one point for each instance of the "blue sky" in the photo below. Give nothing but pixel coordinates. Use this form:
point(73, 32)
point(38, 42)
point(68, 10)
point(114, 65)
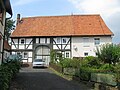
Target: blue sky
point(108, 9)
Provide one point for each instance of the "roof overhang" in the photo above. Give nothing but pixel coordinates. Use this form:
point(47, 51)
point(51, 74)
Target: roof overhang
point(8, 6)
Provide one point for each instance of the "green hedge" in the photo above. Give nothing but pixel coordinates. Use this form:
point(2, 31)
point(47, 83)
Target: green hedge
point(67, 63)
point(7, 72)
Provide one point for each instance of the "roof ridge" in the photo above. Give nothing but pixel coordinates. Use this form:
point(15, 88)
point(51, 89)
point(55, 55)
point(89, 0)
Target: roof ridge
point(62, 15)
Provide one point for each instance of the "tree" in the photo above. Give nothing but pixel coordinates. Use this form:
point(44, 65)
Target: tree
point(9, 27)
point(109, 53)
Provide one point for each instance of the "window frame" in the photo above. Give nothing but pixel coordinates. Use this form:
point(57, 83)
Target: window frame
point(86, 53)
point(22, 42)
point(58, 40)
point(97, 42)
point(86, 42)
point(64, 41)
point(67, 54)
point(25, 55)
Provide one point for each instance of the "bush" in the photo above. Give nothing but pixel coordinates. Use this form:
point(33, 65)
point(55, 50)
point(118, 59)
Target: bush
point(7, 72)
point(109, 53)
point(85, 73)
point(107, 67)
point(73, 63)
point(91, 61)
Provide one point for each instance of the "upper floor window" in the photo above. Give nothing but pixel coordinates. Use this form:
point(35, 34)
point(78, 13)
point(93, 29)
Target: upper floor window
point(22, 41)
point(58, 40)
point(64, 40)
point(86, 41)
point(97, 41)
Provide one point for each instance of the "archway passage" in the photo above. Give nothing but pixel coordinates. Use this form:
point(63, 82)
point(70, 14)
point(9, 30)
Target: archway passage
point(43, 52)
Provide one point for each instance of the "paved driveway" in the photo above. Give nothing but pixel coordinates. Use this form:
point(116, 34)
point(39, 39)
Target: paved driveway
point(43, 79)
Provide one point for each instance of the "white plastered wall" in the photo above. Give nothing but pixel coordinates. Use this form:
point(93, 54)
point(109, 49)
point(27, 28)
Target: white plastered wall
point(78, 48)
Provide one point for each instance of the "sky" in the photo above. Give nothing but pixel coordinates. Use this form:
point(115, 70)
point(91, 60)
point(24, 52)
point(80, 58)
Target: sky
point(108, 9)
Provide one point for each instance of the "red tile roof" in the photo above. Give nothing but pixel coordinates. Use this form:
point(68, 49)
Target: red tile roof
point(71, 25)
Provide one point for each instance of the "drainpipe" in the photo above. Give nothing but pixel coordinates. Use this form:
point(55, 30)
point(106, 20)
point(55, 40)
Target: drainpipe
point(4, 38)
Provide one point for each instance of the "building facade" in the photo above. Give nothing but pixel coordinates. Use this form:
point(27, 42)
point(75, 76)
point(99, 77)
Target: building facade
point(5, 6)
point(71, 36)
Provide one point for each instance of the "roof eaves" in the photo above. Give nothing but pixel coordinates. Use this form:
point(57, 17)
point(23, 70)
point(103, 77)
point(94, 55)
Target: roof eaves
point(8, 6)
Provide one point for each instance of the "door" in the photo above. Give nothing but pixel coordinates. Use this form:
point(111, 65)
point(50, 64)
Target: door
point(43, 52)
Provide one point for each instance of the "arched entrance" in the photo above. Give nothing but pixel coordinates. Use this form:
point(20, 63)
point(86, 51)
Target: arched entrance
point(43, 52)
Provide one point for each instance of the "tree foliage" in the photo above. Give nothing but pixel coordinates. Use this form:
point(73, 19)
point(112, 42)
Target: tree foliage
point(9, 27)
point(109, 53)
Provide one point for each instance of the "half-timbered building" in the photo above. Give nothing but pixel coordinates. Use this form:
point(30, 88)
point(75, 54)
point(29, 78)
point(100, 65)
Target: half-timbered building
point(70, 35)
point(5, 6)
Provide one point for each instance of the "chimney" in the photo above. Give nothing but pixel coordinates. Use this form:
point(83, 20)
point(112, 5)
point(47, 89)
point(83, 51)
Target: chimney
point(18, 19)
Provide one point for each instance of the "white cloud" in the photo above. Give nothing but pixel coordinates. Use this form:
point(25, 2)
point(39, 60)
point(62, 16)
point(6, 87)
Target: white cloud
point(104, 7)
point(108, 9)
point(23, 2)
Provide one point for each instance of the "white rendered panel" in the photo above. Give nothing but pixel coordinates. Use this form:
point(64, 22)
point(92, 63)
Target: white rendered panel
point(13, 47)
point(42, 40)
point(37, 40)
point(21, 46)
point(29, 59)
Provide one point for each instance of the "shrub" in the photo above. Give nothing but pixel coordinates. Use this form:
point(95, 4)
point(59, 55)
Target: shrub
point(109, 53)
point(85, 73)
point(73, 63)
point(52, 56)
point(107, 67)
point(7, 72)
point(91, 61)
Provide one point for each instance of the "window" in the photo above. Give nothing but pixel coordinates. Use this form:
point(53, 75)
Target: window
point(18, 53)
point(64, 40)
point(25, 55)
point(67, 55)
point(22, 41)
point(58, 40)
point(86, 42)
point(85, 54)
point(97, 41)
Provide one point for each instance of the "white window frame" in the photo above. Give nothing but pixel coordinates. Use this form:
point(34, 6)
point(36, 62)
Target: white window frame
point(97, 42)
point(67, 54)
point(86, 42)
point(25, 56)
point(21, 41)
point(64, 40)
point(58, 40)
